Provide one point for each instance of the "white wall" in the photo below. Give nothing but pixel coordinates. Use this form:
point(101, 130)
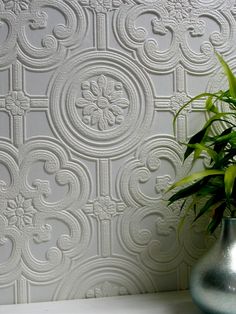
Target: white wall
point(88, 92)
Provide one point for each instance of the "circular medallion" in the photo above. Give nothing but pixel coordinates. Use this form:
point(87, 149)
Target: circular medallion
point(101, 104)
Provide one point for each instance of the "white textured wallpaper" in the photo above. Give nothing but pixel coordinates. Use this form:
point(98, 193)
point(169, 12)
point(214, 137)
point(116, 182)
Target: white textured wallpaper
point(88, 92)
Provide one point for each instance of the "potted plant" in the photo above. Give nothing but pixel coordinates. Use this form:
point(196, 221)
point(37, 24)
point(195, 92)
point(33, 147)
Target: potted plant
point(212, 192)
point(216, 184)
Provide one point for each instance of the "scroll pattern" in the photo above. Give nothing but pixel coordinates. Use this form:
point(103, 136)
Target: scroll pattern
point(87, 147)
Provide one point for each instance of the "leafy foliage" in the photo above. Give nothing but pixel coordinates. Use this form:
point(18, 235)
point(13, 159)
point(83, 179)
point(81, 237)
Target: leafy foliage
point(215, 186)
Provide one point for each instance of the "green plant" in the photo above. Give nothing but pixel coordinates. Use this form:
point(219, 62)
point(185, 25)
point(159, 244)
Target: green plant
point(215, 186)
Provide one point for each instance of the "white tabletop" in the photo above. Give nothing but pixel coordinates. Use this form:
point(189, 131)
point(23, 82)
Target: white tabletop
point(159, 303)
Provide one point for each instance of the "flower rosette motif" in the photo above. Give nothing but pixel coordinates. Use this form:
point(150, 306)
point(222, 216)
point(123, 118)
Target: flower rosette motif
point(17, 103)
point(177, 101)
point(178, 9)
point(102, 103)
point(98, 101)
point(16, 6)
point(29, 219)
point(20, 212)
point(101, 6)
point(104, 208)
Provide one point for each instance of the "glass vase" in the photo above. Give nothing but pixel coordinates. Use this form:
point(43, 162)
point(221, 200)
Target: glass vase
point(213, 279)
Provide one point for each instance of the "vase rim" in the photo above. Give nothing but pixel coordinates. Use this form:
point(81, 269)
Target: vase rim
point(229, 218)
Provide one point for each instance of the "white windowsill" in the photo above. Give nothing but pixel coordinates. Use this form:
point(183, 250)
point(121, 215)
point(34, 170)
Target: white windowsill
point(160, 303)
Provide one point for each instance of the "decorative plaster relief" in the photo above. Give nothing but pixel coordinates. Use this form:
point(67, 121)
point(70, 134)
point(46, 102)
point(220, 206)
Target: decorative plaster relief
point(17, 103)
point(89, 94)
point(182, 21)
point(102, 6)
point(106, 289)
point(104, 127)
point(27, 213)
point(96, 272)
point(16, 6)
point(25, 17)
point(20, 212)
point(102, 103)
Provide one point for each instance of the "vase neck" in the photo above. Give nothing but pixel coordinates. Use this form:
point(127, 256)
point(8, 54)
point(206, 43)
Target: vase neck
point(228, 232)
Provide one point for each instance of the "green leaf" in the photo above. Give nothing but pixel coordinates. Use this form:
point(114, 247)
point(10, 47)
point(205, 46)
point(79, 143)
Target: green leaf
point(182, 220)
point(196, 176)
point(210, 107)
point(190, 101)
point(229, 100)
point(210, 205)
point(229, 178)
point(226, 137)
point(228, 158)
point(187, 191)
point(220, 142)
point(199, 136)
point(218, 117)
point(217, 217)
point(230, 76)
point(212, 187)
point(196, 138)
point(199, 148)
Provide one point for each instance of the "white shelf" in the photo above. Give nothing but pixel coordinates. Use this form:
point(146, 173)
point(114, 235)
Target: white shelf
point(159, 303)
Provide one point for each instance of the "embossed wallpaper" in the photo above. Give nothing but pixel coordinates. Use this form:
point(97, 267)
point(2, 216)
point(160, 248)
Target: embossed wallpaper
point(88, 92)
